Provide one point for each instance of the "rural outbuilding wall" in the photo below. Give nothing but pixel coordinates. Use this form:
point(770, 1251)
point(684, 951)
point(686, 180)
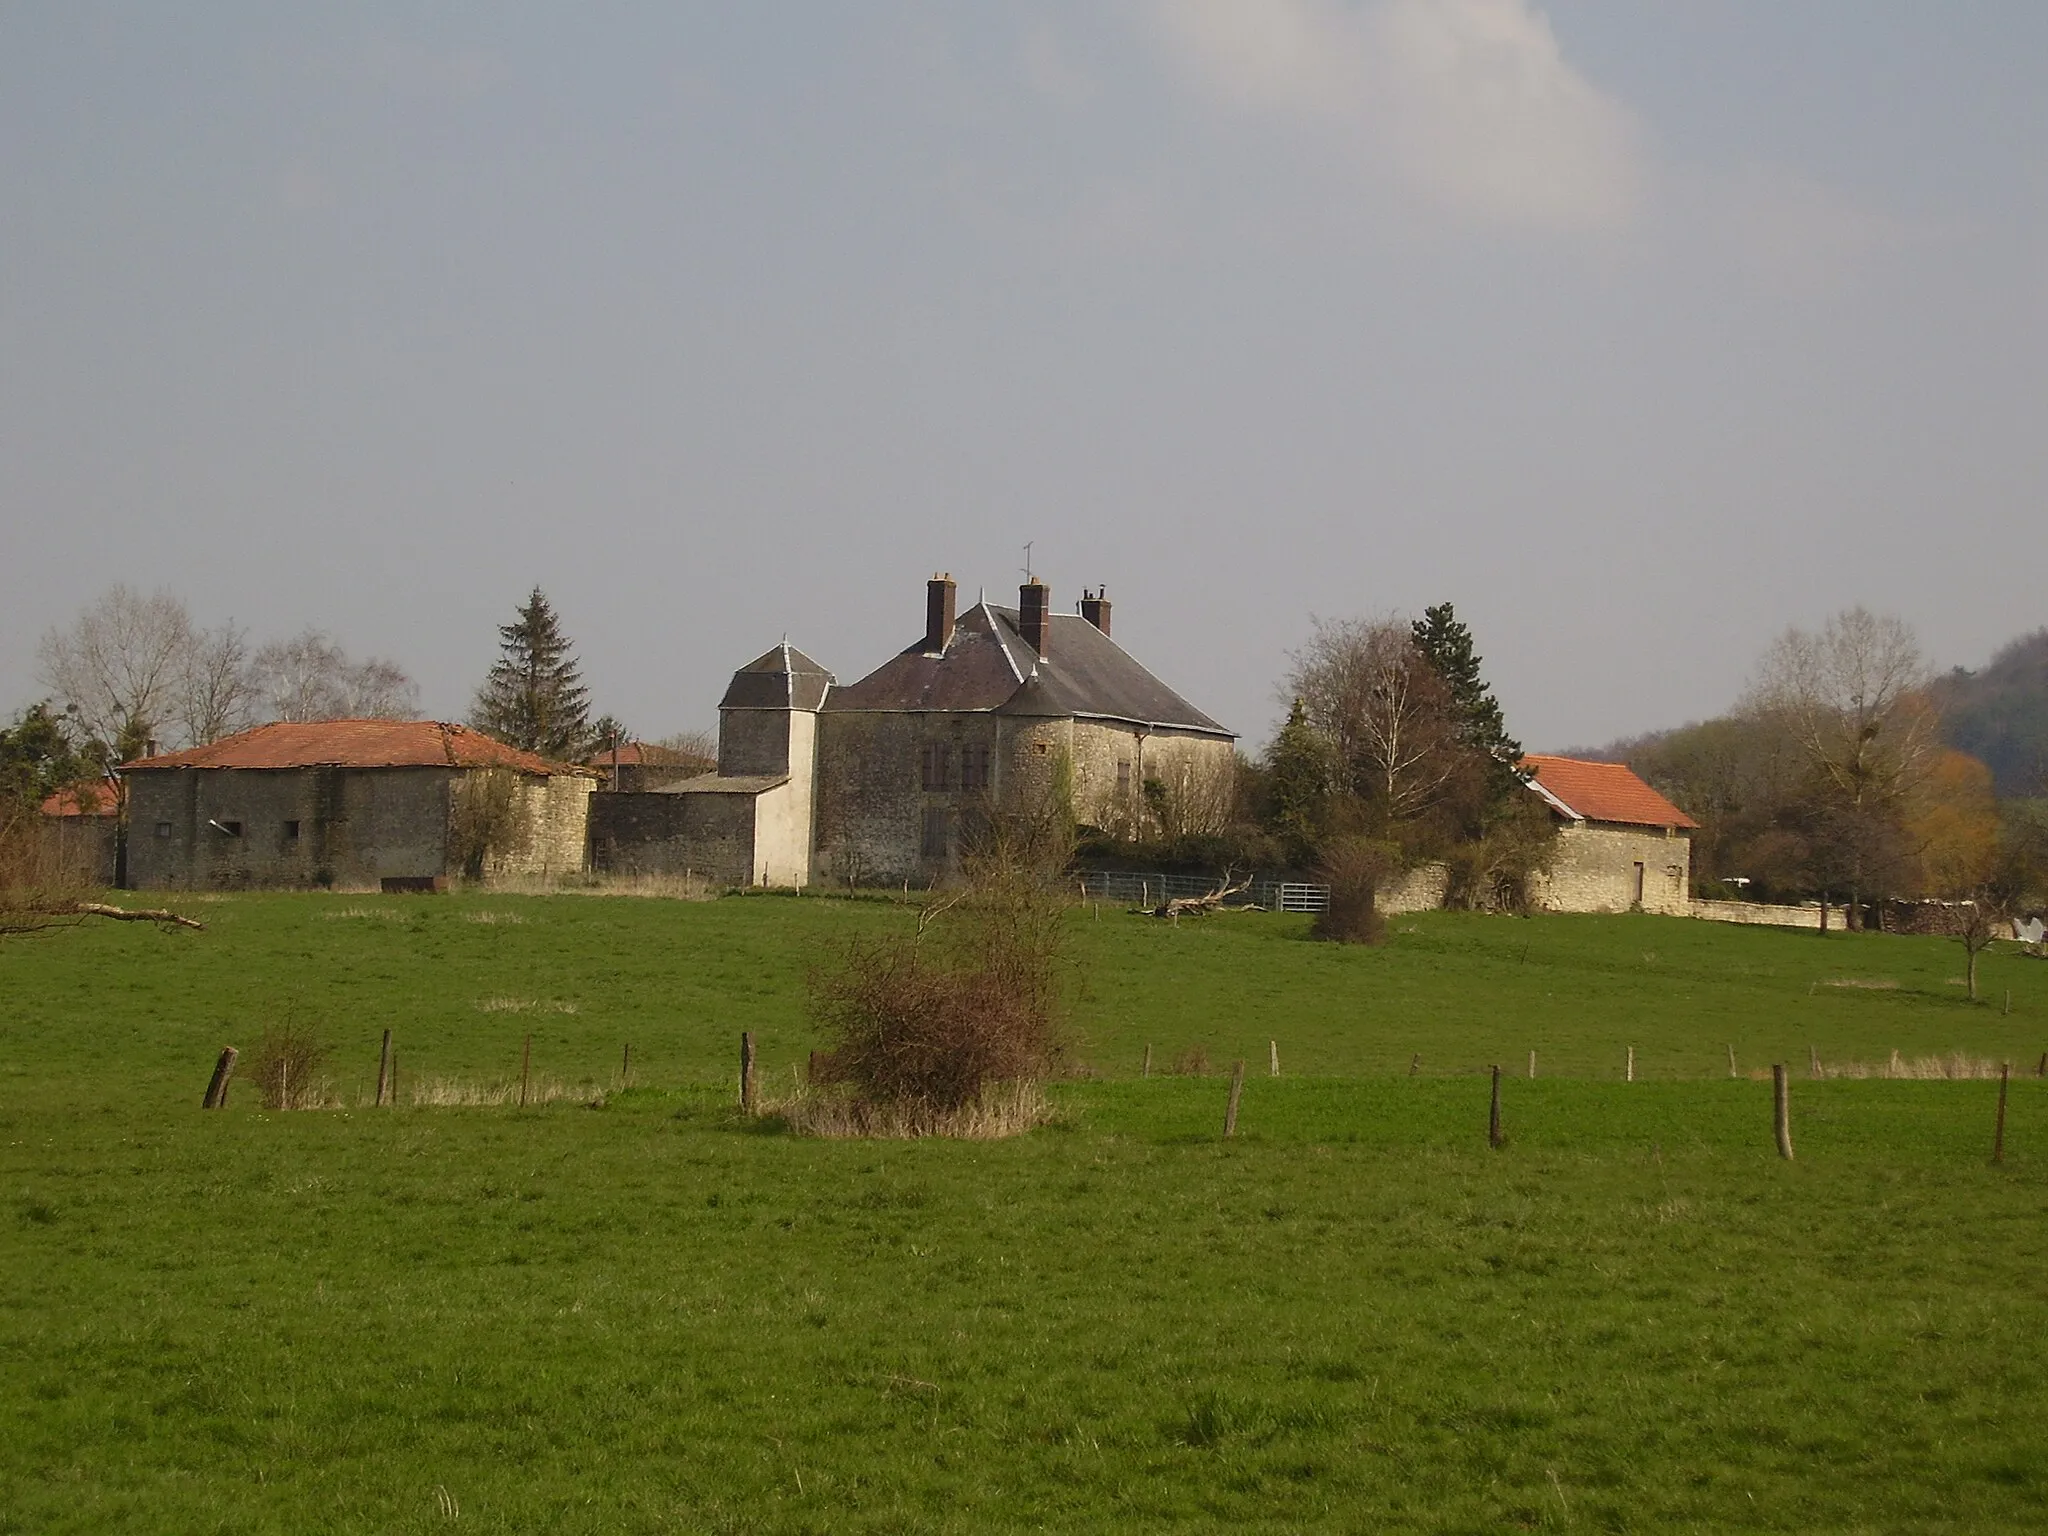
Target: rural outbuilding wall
point(1768, 915)
point(663, 833)
point(1608, 867)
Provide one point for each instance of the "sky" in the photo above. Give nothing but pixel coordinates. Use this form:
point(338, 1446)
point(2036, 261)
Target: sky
point(1638, 332)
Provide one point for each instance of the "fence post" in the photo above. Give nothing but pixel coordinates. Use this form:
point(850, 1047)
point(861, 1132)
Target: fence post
point(1731, 1059)
point(1631, 1070)
point(384, 1072)
point(626, 1065)
point(1532, 1064)
point(1274, 1047)
point(1415, 1063)
point(525, 1069)
point(1236, 1093)
point(747, 1070)
point(217, 1086)
point(1146, 1070)
point(1998, 1133)
point(1493, 1136)
point(1781, 1110)
point(2042, 1070)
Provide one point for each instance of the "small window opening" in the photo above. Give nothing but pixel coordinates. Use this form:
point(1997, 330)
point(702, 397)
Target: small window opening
point(974, 767)
point(291, 831)
point(163, 829)
point(1040, 749)
point(1123, 774)
point(229, 828)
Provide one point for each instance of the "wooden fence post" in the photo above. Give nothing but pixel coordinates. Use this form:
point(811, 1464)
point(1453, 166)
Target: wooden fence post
point(217, 1087)
point(1415, 1063)
point(747, 1070)
point(1236, 1093)
point(1731, 1060)
point(384, 1072)
point(626, 1064)
point(1781, 1110)
point(1274, 1047)
point(525, 1070)
point(2042, 1069)
point(1146, 1070)
point(1532, 1064)
point(1813, 1068)
point(284, 1082)
point(1998, 1133)
point(1631, 1071)
point(1493, 1135)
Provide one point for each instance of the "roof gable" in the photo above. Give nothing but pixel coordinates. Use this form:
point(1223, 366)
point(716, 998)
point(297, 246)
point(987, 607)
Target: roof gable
point(356, 744)
point(780, 678)
point(1589, 791)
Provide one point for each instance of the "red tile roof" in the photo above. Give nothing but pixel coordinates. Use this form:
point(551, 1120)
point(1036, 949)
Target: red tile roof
point(98, 799)
point(356, 744)
point(1604, 792)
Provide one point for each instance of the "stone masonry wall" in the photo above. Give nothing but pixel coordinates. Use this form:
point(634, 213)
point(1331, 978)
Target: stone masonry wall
point(1593, 869)
point(668, 834)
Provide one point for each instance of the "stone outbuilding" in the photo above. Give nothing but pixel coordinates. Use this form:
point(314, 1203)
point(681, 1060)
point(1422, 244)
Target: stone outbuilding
point(888, 778)
point(352, 803)
point(1621, 846)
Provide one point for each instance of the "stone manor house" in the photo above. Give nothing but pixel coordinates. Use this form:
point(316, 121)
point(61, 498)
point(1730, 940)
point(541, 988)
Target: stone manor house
point(886, 779)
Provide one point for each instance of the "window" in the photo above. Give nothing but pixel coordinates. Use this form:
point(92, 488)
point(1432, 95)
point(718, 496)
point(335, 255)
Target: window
point(291, 831)
point(228, 828)
point(934, 843)
point(1040, 748)
point(163, 829)
point(1123, 775)
point(935, 765)
point(974, 767)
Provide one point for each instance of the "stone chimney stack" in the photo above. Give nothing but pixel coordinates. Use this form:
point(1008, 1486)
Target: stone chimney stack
point(1095, 608)
point(1034, 614)
point(939, 602)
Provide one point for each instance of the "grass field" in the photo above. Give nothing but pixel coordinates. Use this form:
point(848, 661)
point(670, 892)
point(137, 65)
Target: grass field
point(651, 1316)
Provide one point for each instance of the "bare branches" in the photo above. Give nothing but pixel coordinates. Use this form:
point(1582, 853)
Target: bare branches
point(1367, 690)
point(121, 663)
point(309, 677)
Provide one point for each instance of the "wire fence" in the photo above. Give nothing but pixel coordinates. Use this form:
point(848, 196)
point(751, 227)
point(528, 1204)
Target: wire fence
point(1149, 888)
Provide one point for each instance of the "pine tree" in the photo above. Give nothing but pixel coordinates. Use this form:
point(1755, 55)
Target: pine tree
point(534, 698)
point(1448, 646)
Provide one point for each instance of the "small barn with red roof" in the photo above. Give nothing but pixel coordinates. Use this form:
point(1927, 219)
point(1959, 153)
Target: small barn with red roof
point(1621, 846)
point(352, 803)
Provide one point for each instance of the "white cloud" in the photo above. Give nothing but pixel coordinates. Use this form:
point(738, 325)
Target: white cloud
point(1470, 102)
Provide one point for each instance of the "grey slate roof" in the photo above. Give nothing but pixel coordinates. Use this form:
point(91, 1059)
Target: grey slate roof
point(783, 678)
point(722, 784)
point(988, 666)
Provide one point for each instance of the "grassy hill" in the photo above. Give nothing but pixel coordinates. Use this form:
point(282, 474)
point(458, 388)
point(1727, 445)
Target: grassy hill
point(653, 1316)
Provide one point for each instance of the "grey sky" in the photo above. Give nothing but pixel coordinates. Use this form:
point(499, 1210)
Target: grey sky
point(1637, 331)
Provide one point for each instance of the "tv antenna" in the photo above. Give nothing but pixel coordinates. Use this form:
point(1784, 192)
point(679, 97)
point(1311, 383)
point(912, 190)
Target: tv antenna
point(1027, 560)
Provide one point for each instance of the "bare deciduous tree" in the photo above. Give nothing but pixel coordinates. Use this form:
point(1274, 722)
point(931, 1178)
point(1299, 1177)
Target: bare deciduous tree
point(218, 692)
point(1851, 698)
point(309, 677)
point(1367, 689)
point(121, 664)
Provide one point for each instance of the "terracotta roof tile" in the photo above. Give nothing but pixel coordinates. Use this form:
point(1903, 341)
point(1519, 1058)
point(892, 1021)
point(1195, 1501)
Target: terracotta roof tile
point(1604, 792)
point(98, 799)
point(356, 744)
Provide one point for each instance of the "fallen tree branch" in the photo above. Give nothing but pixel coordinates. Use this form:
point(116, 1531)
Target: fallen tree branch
point(33, 919)
point(1199, 906)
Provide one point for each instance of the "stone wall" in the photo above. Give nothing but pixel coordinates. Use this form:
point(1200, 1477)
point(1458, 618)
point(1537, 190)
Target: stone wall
point(1769, 915)
point(1112, 761)
point(232, 828)
point(1594, 868)
point(1421, 889)
point(83, 850)
point(663, 833)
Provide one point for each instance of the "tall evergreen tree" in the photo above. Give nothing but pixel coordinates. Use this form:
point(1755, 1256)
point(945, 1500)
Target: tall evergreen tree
point(1298, 773)
point(534, 698)
point(1448, 646)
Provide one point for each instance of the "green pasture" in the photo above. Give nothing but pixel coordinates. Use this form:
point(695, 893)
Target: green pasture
point(651, 1315)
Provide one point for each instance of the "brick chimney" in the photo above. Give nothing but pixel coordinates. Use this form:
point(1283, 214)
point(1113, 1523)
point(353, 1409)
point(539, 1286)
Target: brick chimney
point(1034, 615)
point(1095, 608)
point(939, 598)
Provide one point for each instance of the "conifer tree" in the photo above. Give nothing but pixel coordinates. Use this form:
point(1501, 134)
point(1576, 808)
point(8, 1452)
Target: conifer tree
point(1447, 644)
point(1298, 773)
point(534, 698)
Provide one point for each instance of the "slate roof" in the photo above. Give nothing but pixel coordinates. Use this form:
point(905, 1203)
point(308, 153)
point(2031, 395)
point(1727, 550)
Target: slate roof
point(356, 744)
point(723, 784)
point(989, 667)
point(1602, 792)
point(783, 678)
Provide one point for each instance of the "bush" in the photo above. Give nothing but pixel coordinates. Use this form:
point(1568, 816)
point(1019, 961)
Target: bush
point(930, 1022)
point(1353, 868)
point(285, 1065)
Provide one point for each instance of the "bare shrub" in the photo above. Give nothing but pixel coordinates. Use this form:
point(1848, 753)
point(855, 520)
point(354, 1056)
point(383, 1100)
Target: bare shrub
point(462, 1093)
point(1353, 868)
point(286, 1067)
point(1191, 1062)
point(926, 1024)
